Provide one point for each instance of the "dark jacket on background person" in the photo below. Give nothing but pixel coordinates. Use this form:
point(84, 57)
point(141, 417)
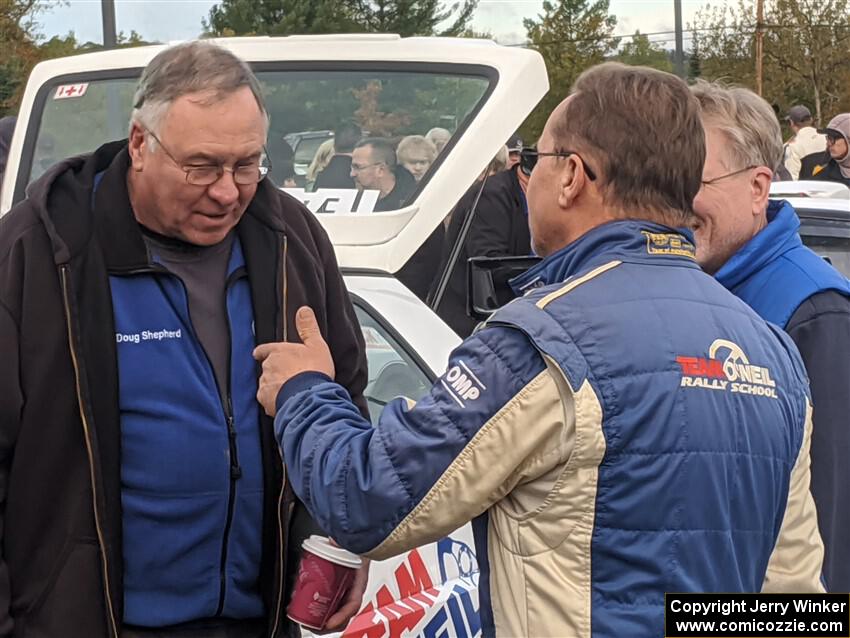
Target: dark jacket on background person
point(499, 229)
point(400, 194)
point(60, 430)
point(418, 273)
point(789, 285)
point(337, 174)
point(821, 167)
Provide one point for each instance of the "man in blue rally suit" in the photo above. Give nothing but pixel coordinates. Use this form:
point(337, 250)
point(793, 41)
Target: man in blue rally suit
point(752, 246)
point(628, 428)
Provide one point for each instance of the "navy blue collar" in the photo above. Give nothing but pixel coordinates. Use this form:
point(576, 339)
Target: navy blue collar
point(628, 240)
point(779, 236)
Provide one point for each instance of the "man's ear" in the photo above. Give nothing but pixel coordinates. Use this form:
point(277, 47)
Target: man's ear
point(571, 181)
point(760, 188)
point(137, 146)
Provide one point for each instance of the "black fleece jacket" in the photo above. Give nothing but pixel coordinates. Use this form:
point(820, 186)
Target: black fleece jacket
point(60, 488)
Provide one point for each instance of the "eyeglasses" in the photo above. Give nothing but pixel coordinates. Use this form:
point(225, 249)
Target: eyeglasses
point(362, 167)
point(528, 160)
point(714, 180)
point(208, 174)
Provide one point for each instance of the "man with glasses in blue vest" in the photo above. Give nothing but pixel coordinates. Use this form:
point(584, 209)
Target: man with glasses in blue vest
point(752, 246)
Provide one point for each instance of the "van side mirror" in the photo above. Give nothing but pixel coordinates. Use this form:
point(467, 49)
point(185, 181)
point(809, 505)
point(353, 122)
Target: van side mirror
point(487, 282)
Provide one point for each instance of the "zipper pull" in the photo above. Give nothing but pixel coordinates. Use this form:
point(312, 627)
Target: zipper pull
point(235, 469)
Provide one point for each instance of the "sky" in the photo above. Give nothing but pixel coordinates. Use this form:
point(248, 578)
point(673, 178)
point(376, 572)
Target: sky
point(167, 20)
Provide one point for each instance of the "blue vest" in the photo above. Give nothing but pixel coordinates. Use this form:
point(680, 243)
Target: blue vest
point(181, 542)
point(774, 272)
point(692, 489)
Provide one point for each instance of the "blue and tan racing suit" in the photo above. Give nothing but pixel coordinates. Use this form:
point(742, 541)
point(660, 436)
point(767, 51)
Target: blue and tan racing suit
point(626, 429)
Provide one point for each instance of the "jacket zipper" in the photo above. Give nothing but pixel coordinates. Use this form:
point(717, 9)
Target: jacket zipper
point(235, 471)
point(279, 605)
point(113, 625)
point(227, 407)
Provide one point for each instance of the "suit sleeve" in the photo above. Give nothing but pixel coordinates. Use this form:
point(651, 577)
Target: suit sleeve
point(492, 420)
point(821, 330)
point(797, 559)
point(11, 404)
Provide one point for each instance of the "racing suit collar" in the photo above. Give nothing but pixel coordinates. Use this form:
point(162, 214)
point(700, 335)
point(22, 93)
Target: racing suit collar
point(627, 240)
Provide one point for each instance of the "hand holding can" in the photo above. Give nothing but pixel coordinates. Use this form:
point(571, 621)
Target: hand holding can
point(325, 575)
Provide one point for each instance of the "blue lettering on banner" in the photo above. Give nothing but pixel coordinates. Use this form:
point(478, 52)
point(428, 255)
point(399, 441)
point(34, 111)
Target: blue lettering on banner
point(465, 619)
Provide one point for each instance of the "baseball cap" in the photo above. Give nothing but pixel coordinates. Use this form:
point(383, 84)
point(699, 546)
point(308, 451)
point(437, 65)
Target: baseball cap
point(514, 143)
point(799, 114)
point(839, 126)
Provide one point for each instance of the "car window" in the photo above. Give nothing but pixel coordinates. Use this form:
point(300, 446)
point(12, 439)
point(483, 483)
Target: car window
point(836, 250)
point(397, 107)
point(392, 371)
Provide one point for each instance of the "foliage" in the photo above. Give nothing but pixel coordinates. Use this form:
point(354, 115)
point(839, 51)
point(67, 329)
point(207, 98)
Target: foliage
point(571, 35)
point(806, 48)
point(641, 51)
point(287, 17)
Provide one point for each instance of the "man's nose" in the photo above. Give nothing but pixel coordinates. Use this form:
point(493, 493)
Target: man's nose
point(224, 190)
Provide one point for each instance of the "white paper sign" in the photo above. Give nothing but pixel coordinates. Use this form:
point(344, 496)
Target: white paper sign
point(70, 90)
point(337, 201)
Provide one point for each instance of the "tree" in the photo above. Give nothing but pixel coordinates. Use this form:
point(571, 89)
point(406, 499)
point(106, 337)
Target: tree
point(694, 64)
point(287, 17)
point(806, 48)
point(279, 17)
point(571, 35)
point(640, 51)
point(17, 41)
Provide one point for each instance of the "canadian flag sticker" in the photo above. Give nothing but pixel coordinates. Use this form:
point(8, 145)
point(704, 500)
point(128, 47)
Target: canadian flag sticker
point(70, 90)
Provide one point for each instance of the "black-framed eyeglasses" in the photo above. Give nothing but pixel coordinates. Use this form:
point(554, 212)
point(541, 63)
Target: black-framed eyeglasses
point(208, 174)
point(356, 168)
point(714, 180)
point(528, 160)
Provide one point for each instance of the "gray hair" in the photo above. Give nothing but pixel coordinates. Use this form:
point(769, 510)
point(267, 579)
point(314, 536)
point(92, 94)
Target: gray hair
point(413, 144)
point(190, 67)
point(746, 120)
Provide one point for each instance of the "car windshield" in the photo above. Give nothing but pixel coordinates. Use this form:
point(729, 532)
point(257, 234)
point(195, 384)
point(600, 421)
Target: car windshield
point(404, 120)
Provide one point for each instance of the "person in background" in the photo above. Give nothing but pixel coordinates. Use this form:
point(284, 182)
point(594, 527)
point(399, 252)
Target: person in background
point(514, 146)
point(7, 129)
point(752, 246)
point(584, 429)
point(374, 167)
point(806, 139)
point(416, 154)
point(143, 492)
point(439, 137)
point(833, 165)
point(337, 174)
point(499, 228)
point(282, 160)
point(321, 159)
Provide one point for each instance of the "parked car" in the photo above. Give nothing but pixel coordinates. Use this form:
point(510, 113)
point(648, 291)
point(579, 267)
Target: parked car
point(305, 144)
point(824, 211)
point(408, 85)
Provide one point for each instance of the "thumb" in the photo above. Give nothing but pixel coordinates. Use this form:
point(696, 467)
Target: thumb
point(307, 326)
